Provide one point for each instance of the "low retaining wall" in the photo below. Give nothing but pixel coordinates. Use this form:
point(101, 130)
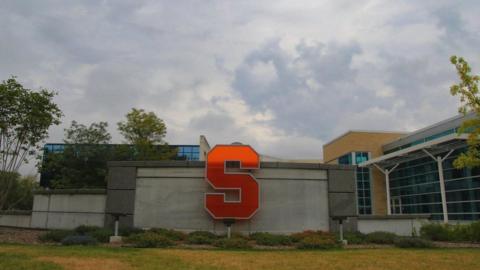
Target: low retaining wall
point(19, 219)
point(67, 209)
point(404, 225)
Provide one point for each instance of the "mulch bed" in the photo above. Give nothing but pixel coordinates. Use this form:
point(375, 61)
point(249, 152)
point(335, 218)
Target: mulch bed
point(20, 236)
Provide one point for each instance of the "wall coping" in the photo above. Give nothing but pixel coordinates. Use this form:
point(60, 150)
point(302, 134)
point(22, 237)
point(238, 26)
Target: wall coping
point(201, 164)
point(70, 191)
point(394, 217)
point(15, 212)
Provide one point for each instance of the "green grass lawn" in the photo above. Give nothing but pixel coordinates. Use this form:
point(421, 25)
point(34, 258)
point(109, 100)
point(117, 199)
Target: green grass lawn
point(57, 257)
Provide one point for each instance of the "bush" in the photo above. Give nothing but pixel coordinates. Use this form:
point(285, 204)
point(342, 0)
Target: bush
point(127, 231)
point(435, 232)
point(318, 242)
point(412, 242)
point(232, 243)
point(85, 229)
point(170, 234)
point(102, 235)
point(268, 239)
point(149, 239)
point(381, 238)
point(355, 237)
point(201, 238)
point(85, 240)
point(297, 237)
point(55, 235)
point(475, 231)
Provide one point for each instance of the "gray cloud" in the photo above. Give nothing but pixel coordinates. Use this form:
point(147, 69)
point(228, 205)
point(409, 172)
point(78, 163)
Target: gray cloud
point(281, 75)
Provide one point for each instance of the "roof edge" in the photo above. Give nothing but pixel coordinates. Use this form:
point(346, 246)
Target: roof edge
point(365, 131)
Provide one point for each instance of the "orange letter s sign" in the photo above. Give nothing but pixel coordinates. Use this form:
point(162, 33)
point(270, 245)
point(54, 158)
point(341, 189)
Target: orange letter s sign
point(220, 179)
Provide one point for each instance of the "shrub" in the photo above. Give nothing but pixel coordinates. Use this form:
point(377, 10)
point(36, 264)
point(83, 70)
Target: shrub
point(201, 238)
point(297, 237)
point(85, 240)
point(380, 238)
point(355, 237)
point(170, 234)
point(412, 242)
point(102, 235)
point(435, 232)
point(85, 229)
point(127, 231)
point(149, 239)
point(475, 231)
point(232, 243)
point(318, 242)
point(268, 239)
point(55, 235)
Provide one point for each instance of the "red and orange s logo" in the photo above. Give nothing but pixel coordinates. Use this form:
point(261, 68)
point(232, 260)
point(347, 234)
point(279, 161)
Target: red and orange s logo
point(218, 177)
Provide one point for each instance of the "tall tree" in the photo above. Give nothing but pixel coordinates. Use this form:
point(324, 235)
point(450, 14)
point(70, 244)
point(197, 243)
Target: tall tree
point(146, 132)
point(96, 133)
point(467, 89)
point(25, 117)
point(83, 161)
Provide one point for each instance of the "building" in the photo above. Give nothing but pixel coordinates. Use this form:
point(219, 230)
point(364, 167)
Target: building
point(400, 174)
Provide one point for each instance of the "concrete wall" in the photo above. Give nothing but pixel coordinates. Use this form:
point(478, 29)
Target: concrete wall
point(403, 225)
point(170, 194)
point(67, 211)
point(15, 220)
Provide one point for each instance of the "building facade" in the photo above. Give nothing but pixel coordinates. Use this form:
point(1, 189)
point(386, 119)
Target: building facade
point(412, 173)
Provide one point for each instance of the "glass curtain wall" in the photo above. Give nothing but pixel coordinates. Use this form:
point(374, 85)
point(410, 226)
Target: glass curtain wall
point(414, 189)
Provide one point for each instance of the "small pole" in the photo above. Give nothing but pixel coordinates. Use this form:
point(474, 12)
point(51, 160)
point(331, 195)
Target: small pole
point(340, 222)
point(229, 222)
point(116, 226)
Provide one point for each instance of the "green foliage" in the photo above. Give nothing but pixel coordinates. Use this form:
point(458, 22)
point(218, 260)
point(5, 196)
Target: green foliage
point(318, 242)
point(201, 238)
point(127, 231)
point(96, 133)
point(380, 238)
point(232, 243)
point(268, 239)
point(146, 132)
point(456, 233)
point(84, 240)
point(170, 234)
point(149, 239)
point(412, 242)
point(25, 117)
point(467, 89)
point(100, 234)
point(20, 196)
point(55, 235)
point(314, 240)
point(355, 238)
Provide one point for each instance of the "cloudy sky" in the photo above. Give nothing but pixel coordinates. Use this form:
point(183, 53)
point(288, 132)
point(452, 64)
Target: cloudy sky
point(283, 76)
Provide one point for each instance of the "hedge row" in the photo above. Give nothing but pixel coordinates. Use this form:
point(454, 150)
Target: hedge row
point(456, 233)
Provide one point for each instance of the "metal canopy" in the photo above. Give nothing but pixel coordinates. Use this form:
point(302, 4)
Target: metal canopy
point(435, 147)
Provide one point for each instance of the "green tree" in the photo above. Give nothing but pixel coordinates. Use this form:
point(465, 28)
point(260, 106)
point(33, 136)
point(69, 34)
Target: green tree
point(83, 162)
point(467, 89)
point(20, 196)
point(146, 132)
point(96, 133)
point(25, 117)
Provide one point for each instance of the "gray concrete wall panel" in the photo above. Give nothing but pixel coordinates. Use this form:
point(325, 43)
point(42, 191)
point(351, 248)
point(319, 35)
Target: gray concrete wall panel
point(341, 181)
point(120, 201)
point(342, 204)
point(121, 177)
point(19, 221)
